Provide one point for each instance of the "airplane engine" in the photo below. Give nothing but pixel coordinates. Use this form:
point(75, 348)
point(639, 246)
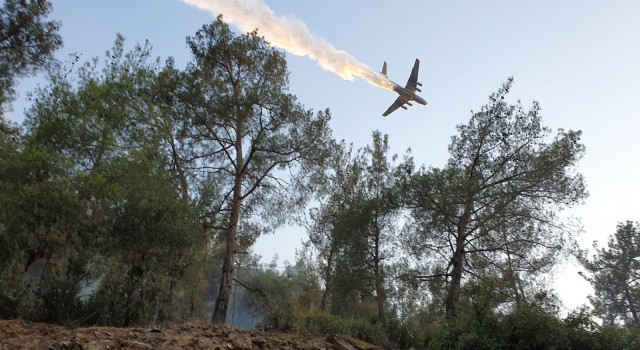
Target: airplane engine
point(403, 106)
point(409, 103)
point(419, 84)
point(418, 90)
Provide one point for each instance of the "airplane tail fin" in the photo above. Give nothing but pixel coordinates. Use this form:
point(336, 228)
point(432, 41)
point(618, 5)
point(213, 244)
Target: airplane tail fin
point(384, 69)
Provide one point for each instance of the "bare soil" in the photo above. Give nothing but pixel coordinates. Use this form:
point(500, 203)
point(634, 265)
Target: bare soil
point(19, 334)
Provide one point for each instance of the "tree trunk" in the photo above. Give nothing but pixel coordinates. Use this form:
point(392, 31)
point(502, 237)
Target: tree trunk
point(453, 292)
point(379, 291)
point(451, 300)
point(182, 177)
point(327, 277)
point(228, 264)
point(514, 280)
point(380, 295)
point(632, 306)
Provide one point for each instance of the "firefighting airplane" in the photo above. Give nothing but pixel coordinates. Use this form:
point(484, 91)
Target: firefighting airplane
point(407, 93)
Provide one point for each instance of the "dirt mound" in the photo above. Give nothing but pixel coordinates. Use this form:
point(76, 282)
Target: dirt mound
point(19, 334)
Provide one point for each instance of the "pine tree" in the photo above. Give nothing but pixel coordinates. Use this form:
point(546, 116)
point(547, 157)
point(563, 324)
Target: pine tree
point(250, 133)
point(614, 273)
point(27, 41)
point(494, 205)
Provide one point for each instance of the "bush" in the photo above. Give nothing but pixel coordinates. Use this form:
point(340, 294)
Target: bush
point(358, 327)
point(403, 335)
point(466, 333)
point(15, 293)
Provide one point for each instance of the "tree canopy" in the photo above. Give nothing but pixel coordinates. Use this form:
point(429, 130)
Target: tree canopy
point(493, 208)
point(249, 131)
point(614, 273)
point(27, 42)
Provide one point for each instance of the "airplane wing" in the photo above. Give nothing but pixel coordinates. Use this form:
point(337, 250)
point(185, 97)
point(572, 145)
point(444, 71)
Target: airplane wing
point(395, 105)
point(413, 78)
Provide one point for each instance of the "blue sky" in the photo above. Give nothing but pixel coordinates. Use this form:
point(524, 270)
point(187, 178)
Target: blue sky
point(580, 60)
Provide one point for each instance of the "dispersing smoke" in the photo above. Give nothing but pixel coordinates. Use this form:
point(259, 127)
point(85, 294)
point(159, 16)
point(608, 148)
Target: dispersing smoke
point(293, 36)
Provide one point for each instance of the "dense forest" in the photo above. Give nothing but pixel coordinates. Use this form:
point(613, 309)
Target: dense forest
point(134, 190)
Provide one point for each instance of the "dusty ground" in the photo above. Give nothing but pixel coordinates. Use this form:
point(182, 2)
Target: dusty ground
point(19, 334)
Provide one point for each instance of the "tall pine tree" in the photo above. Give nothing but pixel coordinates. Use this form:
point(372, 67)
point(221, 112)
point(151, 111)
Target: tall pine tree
point(614, 273)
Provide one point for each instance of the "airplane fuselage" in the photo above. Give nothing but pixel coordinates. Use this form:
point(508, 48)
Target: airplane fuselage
point(408, 95)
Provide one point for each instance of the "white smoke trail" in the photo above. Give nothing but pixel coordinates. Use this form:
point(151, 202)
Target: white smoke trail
point(291, 35)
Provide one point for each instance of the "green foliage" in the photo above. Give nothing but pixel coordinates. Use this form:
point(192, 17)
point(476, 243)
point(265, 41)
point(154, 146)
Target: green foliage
point(617, 338)
point(126, 174)
point(91, 212)
point(403, 334)
point(358, 327)
point(279, 298)
point(9, 135)
point(27, 41)
point(462, 336)
point(40, 229)
point(524, 326)
point(153, 244)
point(528, 326)
point(15, 294)
point(144, 244)
point(248, 132)
point(246, 127)
point(493, 207)
point(104, 111)
point(273, 299)
point(614, 273)
point(289, 301)
point(354, 229)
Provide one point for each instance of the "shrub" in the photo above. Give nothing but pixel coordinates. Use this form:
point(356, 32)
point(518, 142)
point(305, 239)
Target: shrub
point(358, 327)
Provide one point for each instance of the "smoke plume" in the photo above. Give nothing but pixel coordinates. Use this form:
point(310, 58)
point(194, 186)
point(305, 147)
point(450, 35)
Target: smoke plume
point(291, 35)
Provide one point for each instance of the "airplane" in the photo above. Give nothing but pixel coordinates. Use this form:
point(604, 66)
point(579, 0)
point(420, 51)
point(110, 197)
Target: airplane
point(407, 93)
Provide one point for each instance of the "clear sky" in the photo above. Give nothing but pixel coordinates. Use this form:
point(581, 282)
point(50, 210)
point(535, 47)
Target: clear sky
point(580, 60)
